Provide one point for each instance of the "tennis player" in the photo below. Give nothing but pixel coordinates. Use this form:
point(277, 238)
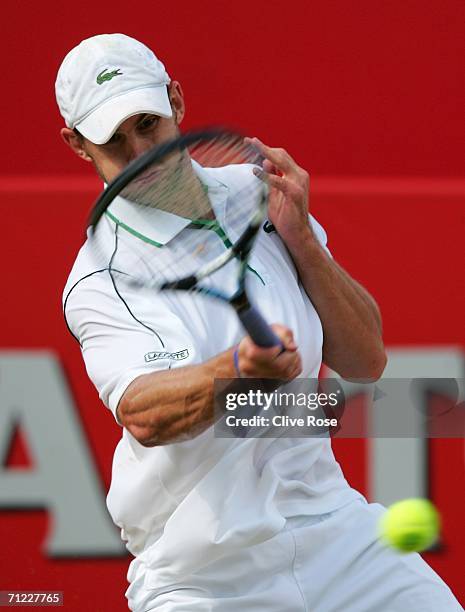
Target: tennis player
point(223, 524)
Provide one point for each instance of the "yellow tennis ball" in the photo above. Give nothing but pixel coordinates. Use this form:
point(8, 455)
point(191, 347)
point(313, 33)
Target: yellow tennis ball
point(410, 525)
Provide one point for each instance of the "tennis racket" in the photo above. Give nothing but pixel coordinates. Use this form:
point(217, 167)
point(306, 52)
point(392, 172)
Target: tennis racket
point(210, 255)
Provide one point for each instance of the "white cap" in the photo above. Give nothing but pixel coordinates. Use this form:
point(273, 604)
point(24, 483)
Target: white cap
point(105, 80)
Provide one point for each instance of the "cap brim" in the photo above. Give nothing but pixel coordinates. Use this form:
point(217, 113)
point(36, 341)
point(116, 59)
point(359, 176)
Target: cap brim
point(102, 123)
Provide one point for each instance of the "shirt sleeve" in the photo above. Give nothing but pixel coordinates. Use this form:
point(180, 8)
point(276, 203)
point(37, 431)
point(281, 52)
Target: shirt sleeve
point(123, 336)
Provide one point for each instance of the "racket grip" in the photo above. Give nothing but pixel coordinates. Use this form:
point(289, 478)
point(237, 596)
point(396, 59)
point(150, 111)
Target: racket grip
point(258, 329)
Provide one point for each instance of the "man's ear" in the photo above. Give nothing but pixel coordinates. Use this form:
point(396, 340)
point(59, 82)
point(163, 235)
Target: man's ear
point(75, 142)
point(177, 100)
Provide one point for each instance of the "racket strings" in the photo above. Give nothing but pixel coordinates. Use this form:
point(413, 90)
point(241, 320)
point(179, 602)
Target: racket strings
point(199, 243)
point(173, 187)
point(170, 187)
point(215, 154)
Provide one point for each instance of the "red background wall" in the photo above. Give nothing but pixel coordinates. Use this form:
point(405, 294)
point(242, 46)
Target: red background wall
point(365, 87)
point(371, 90)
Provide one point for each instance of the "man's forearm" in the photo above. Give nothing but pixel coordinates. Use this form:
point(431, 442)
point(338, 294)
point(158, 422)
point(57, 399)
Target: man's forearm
point(352, 343)
point(173, 405)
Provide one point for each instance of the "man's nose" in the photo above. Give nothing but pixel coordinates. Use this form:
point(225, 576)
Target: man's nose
point(137, 146)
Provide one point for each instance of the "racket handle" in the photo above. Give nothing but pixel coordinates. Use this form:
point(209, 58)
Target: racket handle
point(258, 329)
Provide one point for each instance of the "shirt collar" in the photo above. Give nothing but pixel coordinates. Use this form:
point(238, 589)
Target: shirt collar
point(163, 226)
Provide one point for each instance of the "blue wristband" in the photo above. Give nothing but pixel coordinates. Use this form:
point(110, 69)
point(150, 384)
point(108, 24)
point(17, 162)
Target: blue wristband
point(236, 362)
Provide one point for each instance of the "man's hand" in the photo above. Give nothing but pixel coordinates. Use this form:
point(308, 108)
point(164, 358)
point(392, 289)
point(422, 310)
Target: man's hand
point(289, 191)
point(256, 362)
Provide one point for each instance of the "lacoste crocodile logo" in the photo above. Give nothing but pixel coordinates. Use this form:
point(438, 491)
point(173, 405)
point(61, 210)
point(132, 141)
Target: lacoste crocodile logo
point(107, 76)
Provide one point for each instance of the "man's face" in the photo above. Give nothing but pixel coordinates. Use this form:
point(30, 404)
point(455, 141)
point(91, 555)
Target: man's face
point(134, 137)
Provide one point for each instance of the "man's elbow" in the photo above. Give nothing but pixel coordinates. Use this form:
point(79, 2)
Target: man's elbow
point(378, 365)
point(373, 366)
point(145, 433)
point(364, 368)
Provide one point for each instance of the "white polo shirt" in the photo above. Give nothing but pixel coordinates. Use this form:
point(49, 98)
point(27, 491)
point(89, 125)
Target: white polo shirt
point(183, 505)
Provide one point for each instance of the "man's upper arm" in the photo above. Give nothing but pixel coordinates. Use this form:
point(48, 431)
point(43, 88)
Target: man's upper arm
point(124, 336)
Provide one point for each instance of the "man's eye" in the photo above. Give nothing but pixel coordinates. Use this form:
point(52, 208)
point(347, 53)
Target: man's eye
point(148, 123)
